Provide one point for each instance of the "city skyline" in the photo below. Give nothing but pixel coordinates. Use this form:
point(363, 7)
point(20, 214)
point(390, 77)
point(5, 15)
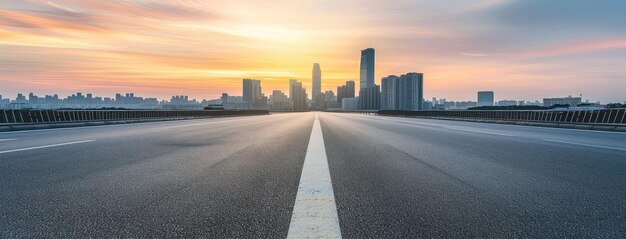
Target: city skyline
point(201, 50)
point(393, 93)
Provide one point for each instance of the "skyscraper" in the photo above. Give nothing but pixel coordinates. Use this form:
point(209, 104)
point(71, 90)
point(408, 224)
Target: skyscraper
point(403, 93)
point(340, 93)
point(369, 95)
point(280, 101)
point(411, 93)
point(317, 82)
point(369, 98)
point(367, 68)
point(251, 91)
point(485, 98)
point(350, 89)
point(345, 91)
point(389, 90)
point(298, 95)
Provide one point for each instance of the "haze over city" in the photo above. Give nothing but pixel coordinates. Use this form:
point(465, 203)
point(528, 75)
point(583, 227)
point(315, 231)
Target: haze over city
point(525, 50)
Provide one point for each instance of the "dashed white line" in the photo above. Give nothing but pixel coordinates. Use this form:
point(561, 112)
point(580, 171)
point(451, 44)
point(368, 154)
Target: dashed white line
point(45, 146)
point(3, 140)
point(588, 145)
point(315, 211)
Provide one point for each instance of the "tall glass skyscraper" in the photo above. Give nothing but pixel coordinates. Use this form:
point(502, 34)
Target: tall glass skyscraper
point(317, 82)
point(367, 68)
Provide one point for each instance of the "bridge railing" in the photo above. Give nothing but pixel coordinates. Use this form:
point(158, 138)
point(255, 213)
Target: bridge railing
point(64, 116)
point(606, 116)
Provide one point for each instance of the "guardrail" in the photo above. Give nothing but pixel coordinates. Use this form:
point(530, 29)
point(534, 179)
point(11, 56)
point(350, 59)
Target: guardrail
point(8, 117)
point(608, 116)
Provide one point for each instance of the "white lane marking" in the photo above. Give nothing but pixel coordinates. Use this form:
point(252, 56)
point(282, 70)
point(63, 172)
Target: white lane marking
point(315, 212)
point(482, 132)
point(588, 145)
point(45, 146)
point(3, 140)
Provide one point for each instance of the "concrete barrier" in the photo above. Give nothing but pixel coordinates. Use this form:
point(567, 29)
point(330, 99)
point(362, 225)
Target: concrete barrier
point(116, 122)
point(30, 127)
point(66, 125)
point(567, 126)
point(582, 126)
point(620, 128)
point(603, 127)
point(5, 128)
point(542, 124)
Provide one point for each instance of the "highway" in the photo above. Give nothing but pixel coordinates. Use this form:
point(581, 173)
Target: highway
point(311, 174)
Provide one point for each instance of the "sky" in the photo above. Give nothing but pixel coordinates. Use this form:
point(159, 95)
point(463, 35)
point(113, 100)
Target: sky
point(521, 49)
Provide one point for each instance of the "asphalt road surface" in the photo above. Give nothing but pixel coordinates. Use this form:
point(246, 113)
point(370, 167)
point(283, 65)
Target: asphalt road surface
point(298, 175)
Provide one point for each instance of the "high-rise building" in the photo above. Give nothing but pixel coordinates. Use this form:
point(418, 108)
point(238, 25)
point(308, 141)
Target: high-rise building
point(280, 101)
point(340, 92)
point(330, 100)
point(224, 98)
point(251, 90)
point(297, 93)
point(317, 83)
point(411, 91)
point(403, 93)
point(485, 98)
point(369, 98)
point(350, 104)
point(350, 89)
point(369, 95)
point(345, 91)
point(389, 91)
point(253, 95)
point(327, 100)
point(367, 68)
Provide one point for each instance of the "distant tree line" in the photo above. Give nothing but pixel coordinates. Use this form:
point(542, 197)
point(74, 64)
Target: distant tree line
point(518, 107)
point(615, 105)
